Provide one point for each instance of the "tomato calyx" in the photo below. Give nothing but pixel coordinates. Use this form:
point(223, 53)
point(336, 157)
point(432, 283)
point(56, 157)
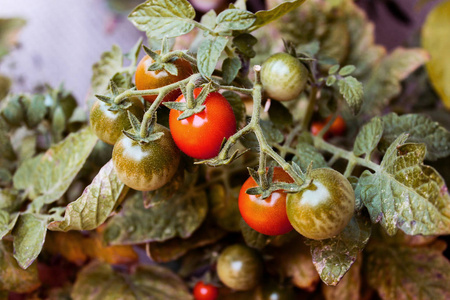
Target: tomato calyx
point(193, 105)
point(135, 132)
point(219, 161)
point(159, 63)
point(265, 191)
point(109, 99)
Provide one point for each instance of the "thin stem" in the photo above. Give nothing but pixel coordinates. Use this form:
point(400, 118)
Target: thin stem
point(262, 171)
point(310, 108)
point(179, 54)
point(201, 26)
point(237, 89)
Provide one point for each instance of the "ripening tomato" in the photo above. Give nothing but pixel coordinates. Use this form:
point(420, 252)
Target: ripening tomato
point(316, 127)
point(267, 216)
point(338, 127)
point(283, 76)
point(201, 135)
point(108, 124)
point(146, 166)
point(145, 79)
point(204, 291)
point(323, 209)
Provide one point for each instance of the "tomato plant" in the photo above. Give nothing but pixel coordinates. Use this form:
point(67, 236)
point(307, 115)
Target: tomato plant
point(146, 166)
point(204, 291)
point(370, 207)
point(201, 135)
point(324, 208)
point(267, 216)
point(239, 267)
point(145, 79)
point(108, 121)
point(283, 77)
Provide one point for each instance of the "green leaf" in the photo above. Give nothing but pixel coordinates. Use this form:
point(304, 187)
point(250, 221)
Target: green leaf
point(98, 281)
point(435, 41)
point(133, 54)
point(280, 114)
point(29, 236)
point(163, 18)
point(264, 17)
point(306, 154)
point(349, 288)
point(238, 107)
point(9, 29)
point(36, 111)
point(334, 257)
point(405, 194)
point(347, 70)
point(230, 69)
point(175, 248)
point(12, 277)
point(399, 271)
point(421, 129)
point(6, 149)
point(135, 224)
point(208, 54)
point(47, 177)
point(293, 260)
point(331, 80)
point(253, 238)
point(368, 137)
point(333, 69)
point(110, 63)
point(209, 19)
point(96, 203)
point(244, 44)
point(5, 85)
point(234, 19)
point(352, 91)
point(7, 222)
point(384, 81)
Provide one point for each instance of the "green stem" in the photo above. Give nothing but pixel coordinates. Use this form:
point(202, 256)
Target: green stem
point(179, 54)
point(237, 89)
point(348, 155)
point(201, 26)
point(310, 108)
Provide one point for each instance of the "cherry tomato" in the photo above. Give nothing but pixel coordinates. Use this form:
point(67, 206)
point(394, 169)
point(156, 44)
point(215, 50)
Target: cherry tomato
point(201, 135)
point(267, 216)
point(283, 77)
point(108, 125)
point(146, 166)
point(204, 291)
point(239, 267)
point(316, 127)
point(145, 79)
point(338, 127)
point(323, 209)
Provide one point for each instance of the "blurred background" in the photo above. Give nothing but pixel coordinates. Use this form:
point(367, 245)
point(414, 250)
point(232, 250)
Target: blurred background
point(62, 39)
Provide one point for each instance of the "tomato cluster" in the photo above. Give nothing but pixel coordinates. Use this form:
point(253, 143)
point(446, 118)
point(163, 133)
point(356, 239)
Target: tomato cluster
point(320, 211)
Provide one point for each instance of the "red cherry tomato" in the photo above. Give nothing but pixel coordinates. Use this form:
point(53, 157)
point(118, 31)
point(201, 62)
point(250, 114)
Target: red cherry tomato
point(338, 127)
point(201, 135)
point(316, 127)
point(267, 216)
point(204, 291)
point(146, 80)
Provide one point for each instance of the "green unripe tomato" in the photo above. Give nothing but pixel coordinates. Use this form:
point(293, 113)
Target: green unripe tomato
point(283, 77)
point(239, 267)
point(108, 125)
point(323, 209)
point(146, 166)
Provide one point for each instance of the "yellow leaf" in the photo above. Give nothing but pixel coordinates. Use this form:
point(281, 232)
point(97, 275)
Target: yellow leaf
point(436, 40)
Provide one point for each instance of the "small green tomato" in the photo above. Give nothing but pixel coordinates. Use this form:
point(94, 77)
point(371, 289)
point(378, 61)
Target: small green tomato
point(239, 267)
point(323, 209)
point(146, 166)
point(283, 77)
